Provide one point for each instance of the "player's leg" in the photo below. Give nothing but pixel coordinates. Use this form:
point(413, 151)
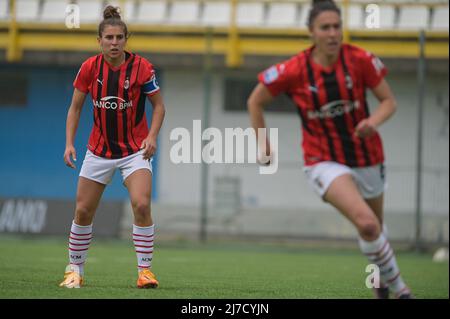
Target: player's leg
point(344, 194)
point(321, 177)
point(388, 258)
point(376, 204)
point(89, 193)
point(95, 174)
point(139, 185)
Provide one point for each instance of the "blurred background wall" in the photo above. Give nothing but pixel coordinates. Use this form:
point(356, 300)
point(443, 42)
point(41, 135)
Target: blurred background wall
point(40, 56)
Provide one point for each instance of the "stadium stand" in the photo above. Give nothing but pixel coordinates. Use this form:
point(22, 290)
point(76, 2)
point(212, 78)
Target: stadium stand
point(3, 10)
point(153, 12)
point(216, 13)
point(402, 15)
point(250, 14)
point(53, 11)
point(304, 11)
point(355, 17)
point(282, 15)
point(90, 10)
point(413, 17)
point(440, 19)
point(387, 17)
point(27, 10)
point(184, 12)
point(281, 21)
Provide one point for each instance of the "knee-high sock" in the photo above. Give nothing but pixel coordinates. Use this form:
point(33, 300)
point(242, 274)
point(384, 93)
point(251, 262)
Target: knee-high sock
point(79, 241)
point(143, 244)
point(379, 252)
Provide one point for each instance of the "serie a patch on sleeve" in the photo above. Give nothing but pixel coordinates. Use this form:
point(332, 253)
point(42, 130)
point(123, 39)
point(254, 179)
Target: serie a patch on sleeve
point(270, 75)
point(151, 86)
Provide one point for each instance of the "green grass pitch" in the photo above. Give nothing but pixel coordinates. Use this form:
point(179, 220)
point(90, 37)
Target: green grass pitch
point(33, 267)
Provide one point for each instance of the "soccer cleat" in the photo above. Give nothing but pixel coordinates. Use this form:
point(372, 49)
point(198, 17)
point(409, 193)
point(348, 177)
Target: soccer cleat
point(147, 279)
point(405, 293)
point(406, 296)
point(72, 278)
point(381, 293)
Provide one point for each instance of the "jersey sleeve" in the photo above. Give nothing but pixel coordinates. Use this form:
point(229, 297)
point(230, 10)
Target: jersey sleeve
point(279, 77)
point(84, 77)
point(373, 70)
point(147, 79)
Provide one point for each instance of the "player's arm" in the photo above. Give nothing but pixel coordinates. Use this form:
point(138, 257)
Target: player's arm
point(384, 111)
point(159, 111)
point(73, 118)
point(259, 98)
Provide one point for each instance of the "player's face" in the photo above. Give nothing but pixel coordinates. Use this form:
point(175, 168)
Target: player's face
point(326, 32)
point(113, 41)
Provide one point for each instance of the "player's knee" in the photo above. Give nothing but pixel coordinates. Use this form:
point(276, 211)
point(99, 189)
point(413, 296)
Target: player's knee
point(369, 228)
point(83, 215)
point(141, 207)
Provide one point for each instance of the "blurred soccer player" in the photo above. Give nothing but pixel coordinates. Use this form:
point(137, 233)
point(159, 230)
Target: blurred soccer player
point(343, 153)
point(119, 83)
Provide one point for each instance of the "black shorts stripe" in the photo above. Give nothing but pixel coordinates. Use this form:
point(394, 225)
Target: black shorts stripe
point(332, 90)
point(350, 94)
point(112, 131)
point(312, 84)
point(125, 112)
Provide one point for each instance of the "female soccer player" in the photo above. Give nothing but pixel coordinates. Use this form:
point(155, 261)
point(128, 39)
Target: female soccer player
point(119, 83)
point(343, 153)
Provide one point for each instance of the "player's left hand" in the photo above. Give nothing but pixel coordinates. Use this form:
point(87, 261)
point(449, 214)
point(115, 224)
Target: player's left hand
point(149, 147)
point(365, 128)
point(265, 160)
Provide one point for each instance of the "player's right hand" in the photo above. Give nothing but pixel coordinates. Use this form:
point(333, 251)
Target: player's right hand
point(68, 153)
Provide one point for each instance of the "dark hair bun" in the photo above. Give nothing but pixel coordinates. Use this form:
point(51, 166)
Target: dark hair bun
point(318, 2)
point(111, 12)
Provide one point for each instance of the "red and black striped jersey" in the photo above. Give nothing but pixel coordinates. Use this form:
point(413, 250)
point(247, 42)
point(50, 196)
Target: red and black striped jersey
point(118, 97)
point(331, 102)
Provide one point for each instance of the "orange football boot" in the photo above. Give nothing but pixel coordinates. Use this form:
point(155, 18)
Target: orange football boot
point(147, 279)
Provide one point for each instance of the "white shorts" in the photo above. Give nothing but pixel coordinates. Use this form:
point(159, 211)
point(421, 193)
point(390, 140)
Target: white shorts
point(102, 170)
point(370, 180)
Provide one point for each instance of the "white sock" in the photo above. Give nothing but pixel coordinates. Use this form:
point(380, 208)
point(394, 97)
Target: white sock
point(79, 240)
point(385, 233)
point(143, 244)
point(379, 252)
